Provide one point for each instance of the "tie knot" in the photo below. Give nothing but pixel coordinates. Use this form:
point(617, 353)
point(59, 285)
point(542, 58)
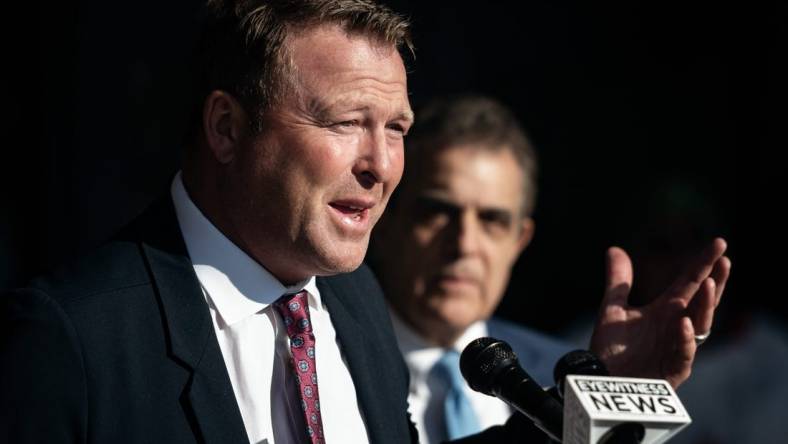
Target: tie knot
point(294, 309)
point(448, 367)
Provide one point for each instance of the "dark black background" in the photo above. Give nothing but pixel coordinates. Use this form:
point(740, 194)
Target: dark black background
point(619, 97)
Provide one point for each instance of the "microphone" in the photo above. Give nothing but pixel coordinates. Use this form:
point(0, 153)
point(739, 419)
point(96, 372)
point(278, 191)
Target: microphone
point(614, 410)
point(577, 362)
point(583, 362)
point(491, 367)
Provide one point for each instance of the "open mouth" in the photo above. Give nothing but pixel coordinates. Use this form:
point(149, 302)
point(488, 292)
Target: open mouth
point(354, 212)
point(351, 212)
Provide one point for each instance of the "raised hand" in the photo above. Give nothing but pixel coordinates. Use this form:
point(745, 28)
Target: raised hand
point(659, 340)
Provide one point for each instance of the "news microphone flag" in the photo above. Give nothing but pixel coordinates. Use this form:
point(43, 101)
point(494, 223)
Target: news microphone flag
point(595, 404)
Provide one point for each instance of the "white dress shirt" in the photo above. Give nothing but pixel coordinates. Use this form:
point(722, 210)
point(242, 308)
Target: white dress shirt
point(254, 342)
point(427, 391)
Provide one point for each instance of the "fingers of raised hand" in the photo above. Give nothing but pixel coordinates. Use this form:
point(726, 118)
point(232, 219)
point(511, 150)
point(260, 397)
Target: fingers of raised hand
point(679, 366)
point(618, 277)
point(690, 281)
point(701, 309)
point(720, 274)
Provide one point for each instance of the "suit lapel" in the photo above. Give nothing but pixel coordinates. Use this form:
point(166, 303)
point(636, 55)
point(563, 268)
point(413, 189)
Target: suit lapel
point(208, 394)
point(363, 354)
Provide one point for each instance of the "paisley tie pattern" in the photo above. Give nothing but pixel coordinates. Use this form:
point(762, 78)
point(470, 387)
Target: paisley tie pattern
point(294, 310)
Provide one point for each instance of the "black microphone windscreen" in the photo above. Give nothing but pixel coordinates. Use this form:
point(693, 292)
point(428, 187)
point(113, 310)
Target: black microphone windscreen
point(577, 362)
point(481, 361)
point(490, 366)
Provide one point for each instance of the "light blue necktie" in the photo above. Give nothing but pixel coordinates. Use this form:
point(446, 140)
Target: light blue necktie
point(459, 417)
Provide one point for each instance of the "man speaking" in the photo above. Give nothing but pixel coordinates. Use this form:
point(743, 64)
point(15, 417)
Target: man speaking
point(204, 320)
point(234, 309)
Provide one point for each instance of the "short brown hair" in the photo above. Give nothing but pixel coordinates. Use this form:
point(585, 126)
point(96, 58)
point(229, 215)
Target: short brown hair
point(242, 47)
point(476, 120)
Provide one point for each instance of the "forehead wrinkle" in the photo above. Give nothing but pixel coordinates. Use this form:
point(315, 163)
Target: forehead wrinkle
point(320, 104)
point(321, 108)
point(319, 96)
point(362, 85)
point(337, 74)
point(497, 157)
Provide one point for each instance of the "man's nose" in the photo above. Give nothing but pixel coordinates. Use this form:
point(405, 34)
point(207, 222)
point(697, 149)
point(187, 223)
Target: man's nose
point(468, 233)
point(376, 162)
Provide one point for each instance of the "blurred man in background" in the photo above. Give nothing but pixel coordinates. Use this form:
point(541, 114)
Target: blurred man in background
point(444, 253)
point(461, 220)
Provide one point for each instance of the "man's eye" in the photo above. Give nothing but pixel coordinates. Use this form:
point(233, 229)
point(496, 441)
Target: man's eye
point(346, 123)
point(397, 127)
point(495, 221)
point(429, 211)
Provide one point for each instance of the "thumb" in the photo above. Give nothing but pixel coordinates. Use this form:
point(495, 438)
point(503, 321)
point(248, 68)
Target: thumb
point(618, 277)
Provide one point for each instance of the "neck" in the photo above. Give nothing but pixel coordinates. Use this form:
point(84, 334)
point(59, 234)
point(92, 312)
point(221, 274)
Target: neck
point(205, 196)
point(433, 331)
point(205, 192)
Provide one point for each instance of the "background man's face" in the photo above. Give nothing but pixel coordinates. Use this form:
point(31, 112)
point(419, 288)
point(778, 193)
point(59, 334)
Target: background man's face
point(459, 230)
point(316, 179)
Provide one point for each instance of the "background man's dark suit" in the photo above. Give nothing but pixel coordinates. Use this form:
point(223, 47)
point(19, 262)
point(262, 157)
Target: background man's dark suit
point(119, 347)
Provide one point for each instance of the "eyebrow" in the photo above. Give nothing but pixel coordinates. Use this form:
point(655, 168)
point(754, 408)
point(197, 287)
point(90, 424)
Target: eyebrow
point(407, 115)
point(321, 110)
point(437, 202)
point(435, 199)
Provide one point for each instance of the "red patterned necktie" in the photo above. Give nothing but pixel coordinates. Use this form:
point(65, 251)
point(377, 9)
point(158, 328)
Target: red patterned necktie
point(294, 310)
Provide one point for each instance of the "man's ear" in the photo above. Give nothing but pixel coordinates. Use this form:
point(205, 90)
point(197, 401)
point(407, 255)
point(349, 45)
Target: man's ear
point(224, 123)
point(527, 227)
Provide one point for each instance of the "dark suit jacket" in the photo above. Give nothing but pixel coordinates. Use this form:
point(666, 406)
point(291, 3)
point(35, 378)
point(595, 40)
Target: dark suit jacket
point(120, 347)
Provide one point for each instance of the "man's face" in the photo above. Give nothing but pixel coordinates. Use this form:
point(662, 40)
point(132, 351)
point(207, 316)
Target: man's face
point(459, 229)
point(316, 179)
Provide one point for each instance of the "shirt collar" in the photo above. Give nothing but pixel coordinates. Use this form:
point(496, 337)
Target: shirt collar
point(421, 356)
point(237, 285)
